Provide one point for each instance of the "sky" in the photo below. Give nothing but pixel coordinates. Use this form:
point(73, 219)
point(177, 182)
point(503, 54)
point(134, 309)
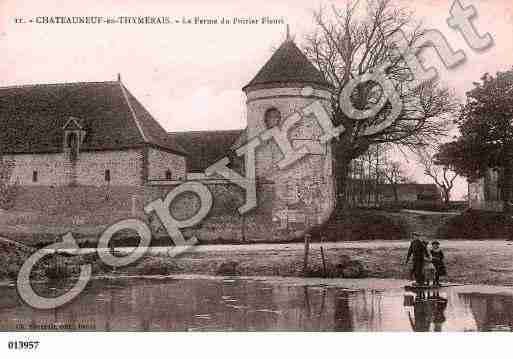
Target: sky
point(190, 76)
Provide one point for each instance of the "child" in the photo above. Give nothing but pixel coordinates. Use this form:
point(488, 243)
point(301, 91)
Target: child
point(429, 271)
point(438, 261)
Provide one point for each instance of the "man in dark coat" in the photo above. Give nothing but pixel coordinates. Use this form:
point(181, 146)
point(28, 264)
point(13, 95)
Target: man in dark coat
point(418, 251)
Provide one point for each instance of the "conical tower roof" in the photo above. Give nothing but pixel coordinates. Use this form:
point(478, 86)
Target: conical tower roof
point(287, 65)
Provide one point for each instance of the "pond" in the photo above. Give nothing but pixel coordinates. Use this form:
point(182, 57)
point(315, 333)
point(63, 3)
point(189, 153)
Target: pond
point(231, 304)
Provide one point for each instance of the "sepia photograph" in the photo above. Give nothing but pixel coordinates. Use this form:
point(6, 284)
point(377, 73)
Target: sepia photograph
point(241, 166)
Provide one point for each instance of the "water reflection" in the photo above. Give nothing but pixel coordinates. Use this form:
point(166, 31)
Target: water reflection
point(256, 305)
point(491, 312)
point(428, 310)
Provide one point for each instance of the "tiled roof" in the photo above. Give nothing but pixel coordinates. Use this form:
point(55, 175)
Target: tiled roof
point(288, 65)
point(205, 147)
point(32, 118)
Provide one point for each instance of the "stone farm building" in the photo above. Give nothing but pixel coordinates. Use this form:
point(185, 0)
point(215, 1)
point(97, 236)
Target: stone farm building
point(485, 192)
point(90, 153)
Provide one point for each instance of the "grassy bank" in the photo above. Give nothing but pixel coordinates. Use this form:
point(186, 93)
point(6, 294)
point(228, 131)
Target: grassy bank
point(477, 262)
point(475, 224)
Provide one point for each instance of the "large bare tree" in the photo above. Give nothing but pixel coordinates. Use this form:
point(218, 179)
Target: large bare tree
point(355, 40)
point(441, 173)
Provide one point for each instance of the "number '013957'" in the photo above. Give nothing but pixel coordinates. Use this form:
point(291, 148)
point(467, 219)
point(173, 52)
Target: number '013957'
point(22, 345)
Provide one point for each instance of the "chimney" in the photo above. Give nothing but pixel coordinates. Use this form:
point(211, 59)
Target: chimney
point(119, 77)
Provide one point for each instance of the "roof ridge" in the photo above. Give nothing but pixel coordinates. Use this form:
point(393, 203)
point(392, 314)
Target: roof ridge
point(134, 116)
point(203, 131)
point(57, 84)
point(288, 64)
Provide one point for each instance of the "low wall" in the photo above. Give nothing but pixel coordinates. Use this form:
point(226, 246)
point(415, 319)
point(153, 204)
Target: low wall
point(80, 204)
point(223, 223)
point(89, 205)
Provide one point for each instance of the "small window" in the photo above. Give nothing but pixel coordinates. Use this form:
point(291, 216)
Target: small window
point(107, 175)
point(168, 175)
point(272, 118)
point(34, 176)
point(72, 140)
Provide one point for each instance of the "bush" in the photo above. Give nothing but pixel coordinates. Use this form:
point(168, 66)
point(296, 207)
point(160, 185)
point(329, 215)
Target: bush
point(359, 225)
point(344, 267)
point(12, 271)
point(229, 268)
point(474, 224)
point(155, 266)
point(57, 270)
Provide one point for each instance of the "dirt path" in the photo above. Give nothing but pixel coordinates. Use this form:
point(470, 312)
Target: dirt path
point(470, 262)
point(474, 262)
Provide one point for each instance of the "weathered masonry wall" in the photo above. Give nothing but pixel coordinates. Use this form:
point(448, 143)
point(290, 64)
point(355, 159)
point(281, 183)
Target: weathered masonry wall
point(89, 169)
point(160, 162)
point(223, 223)
point(303, 192)
point(64, 205)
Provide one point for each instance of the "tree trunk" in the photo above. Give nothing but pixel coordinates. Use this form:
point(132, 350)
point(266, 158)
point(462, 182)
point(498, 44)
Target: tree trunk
point(344, 152)
point(447, 196)
point(342, 167)
point(396, 194)
point(507, 182)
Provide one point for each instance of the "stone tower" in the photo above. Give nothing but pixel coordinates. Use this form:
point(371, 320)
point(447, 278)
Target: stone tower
point(300, 195)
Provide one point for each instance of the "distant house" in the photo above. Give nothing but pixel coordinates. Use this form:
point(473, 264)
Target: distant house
point(485, 193)
point(407, 192)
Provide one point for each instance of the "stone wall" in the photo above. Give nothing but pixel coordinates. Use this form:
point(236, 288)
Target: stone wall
point(81, 204)
point(89, 169)
point(159, 162)
point(223, 223)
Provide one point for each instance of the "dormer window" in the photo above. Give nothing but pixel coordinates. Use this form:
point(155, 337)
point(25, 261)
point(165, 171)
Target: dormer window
point(71, 140)
point(73, 137)
point(72, 145)
point(272, 118)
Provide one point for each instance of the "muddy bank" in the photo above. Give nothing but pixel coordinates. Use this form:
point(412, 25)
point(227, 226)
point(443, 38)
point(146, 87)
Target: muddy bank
point(469, 262)
point(472, 262)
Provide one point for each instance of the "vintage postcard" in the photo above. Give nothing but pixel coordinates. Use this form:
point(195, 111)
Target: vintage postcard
point(221, 166)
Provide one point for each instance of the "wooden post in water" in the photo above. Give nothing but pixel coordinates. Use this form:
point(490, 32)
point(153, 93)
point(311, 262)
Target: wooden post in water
point(307, 249)
point(323, 259)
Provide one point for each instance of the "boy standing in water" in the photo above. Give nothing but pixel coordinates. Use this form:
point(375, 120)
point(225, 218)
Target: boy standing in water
point(438, 261)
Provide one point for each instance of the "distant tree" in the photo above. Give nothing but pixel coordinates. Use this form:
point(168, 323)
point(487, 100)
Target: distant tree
point(355, 40)
point(394, 175)
point(486, 127)
point(439, 170)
